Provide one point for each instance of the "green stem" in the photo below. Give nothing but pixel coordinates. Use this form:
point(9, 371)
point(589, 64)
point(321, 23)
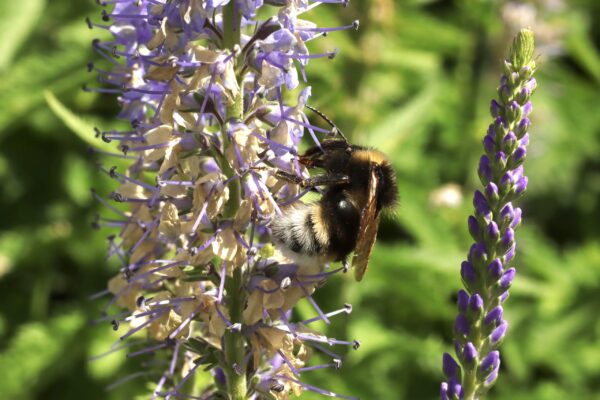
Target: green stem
point(234, 341)
point(231, 26)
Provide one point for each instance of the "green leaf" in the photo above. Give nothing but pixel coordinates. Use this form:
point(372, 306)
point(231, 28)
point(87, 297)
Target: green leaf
point(20, 86)
point(34, 352)
point(17, 20)
point(79, 126)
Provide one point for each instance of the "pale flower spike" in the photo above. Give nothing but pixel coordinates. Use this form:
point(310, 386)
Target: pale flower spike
point(202, 84)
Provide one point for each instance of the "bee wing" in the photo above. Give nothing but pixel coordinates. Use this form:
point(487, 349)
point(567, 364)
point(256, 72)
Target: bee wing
point(367, 231)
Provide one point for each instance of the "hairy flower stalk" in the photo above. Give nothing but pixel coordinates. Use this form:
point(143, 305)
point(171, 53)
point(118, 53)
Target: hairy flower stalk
point(487, 273)
point(204, 85)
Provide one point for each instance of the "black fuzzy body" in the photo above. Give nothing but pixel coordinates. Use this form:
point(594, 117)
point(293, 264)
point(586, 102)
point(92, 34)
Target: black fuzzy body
point(328, 229)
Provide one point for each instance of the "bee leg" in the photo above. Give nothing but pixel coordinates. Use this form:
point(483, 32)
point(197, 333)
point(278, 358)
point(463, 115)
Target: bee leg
point(345, 265)
point(319, 180)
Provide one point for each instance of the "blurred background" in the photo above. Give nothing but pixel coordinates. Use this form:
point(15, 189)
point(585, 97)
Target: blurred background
point(414, 81)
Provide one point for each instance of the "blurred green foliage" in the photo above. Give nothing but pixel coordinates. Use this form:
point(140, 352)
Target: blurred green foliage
point(415, 81)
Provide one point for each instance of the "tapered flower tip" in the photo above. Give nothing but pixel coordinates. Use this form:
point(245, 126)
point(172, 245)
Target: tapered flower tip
point(498, 333)
point(521, 51)
point(508, 277)
point(523, 126)
point(474, 229)
point(491, 191)
point(509, 141)
point(491, 361)
point(508, 237)
point(527, 108)
point(485, 171)
point(494, 316)
point(507, 212)
point(495, 108)
point(492, 232)
point(461, 324)
point(480, 203)
point(521, 185)
point(450, 367)
point(488, 141)
point(467, 272)
point(451, 391)
point(444, 391)
point(519, 154)
point(517, 218)
point(495, 269)
point(463, 300)
point(491, 378)
point(469, 352)
point(476, 303)
point(477, 253)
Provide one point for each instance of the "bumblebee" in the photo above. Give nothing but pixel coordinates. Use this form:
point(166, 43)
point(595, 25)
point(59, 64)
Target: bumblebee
point(358, 183)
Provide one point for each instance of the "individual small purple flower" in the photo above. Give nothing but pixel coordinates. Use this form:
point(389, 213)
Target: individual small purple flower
point(487, 275)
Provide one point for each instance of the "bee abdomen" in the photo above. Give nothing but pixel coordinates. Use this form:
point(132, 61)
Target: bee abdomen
point(299, 230)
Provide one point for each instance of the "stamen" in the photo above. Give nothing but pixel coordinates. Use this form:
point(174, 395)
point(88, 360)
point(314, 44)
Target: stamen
point(85, 88)
point(150, 349)
point(335, 365)
point(315, 305)
point(93, 25)
point(185, 322)
point(142, 326)
point(117, 346)
point(127, 379)
point(346, 310)
point(175, 391)
point(97, 47)
point(108, 205)
point(354, 25)
point(316, 389)
point(288, 363)
point(305, 125)
point(330, 54)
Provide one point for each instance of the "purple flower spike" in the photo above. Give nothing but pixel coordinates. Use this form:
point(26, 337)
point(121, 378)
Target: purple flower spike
point(205, 88)
point(479, 326)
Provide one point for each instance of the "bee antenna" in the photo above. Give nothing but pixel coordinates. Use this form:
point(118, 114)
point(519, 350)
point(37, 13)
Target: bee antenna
point(335, 130)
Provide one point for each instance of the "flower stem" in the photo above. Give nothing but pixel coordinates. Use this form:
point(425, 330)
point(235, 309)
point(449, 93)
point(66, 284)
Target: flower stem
point(231, 25)
point(234, 340)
